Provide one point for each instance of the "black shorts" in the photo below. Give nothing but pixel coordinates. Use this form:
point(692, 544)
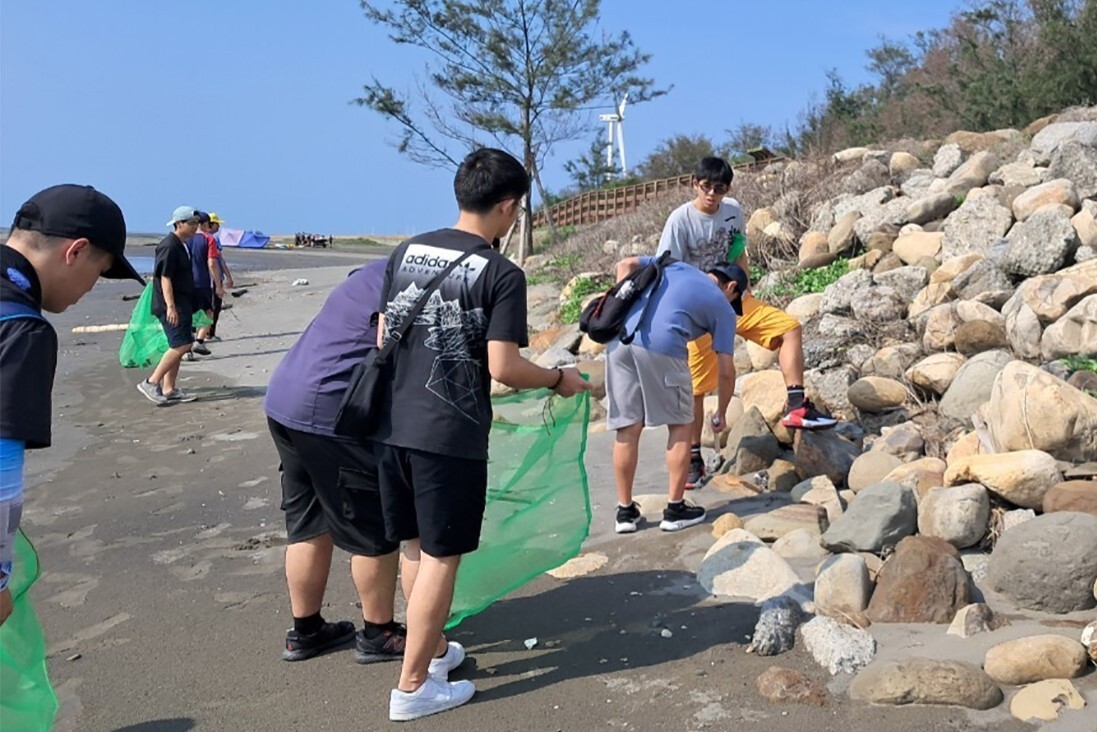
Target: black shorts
point(434, 498)
point(178, 335)
point(329, 486)
point(202, 299)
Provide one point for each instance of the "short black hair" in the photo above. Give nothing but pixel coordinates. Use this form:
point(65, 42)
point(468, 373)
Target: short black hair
point(486, 177)
point(714, 170)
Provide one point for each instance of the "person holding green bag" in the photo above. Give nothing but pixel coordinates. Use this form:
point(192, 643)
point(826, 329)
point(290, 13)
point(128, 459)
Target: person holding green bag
point(63, 239)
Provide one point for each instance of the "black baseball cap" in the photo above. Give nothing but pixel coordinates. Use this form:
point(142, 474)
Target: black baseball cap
point(736, 274)
point(80, 212)
point(203, 217)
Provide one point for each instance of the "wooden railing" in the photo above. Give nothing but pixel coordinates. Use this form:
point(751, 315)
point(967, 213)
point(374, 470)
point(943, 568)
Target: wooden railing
point(606, 203)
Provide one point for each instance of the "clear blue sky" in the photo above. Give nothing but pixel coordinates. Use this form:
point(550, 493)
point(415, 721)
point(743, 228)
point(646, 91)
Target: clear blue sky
point(242, 106)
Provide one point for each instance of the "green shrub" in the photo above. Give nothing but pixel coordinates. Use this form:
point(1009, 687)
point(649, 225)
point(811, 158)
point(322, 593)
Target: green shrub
point(584, 286)
point(1080, 363)
point(803, 282)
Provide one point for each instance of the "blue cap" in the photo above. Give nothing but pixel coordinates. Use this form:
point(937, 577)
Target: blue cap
point(183, 213)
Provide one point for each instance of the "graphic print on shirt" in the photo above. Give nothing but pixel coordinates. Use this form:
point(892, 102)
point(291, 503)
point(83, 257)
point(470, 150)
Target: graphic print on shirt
point(451, 330)
point(714, 249)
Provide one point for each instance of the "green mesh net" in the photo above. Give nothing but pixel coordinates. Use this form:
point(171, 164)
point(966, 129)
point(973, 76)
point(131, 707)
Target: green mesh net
point(27, 701)
point(538, 504)
point(144, 342)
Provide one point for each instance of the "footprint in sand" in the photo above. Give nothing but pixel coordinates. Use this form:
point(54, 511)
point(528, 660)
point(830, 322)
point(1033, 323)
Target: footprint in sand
point(212, 531)
point(196, 572)
point(254, 503)
point(79, 585)
point(89, 633)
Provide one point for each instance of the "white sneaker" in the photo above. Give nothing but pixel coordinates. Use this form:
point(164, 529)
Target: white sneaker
point(432, 697)
point(453, 657)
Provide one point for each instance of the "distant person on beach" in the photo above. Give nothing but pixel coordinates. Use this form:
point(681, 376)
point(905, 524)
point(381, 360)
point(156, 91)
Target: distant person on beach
point(648, 380)
point(203, 265)
point(330, 494)
point(62, 241)
point(173, 304)
point(435, 413)
point(708, 231)
point(223, 275)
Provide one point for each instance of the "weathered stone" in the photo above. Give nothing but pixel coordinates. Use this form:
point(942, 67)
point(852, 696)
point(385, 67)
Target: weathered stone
point(781, 685)
point(972, 385)
point(935, 373)
point(920, 476)
point(800, 544)
point(953, 267)
point(1050, 139)
point(1077, 163)
point(973, 173)
point(1030, 408)
point(871, 468)
point(850, 155)
point(757, 223)
point(837, 647)
point(838, 296)
point(1023, 329)
point(822, 493)
point(1048, 563)
point(764, 391)
point(926, 681)
point(1085, 223)
point(980, 280)
point(842, 587)
point(975, 226)
point(906, 281)
point(922, 582)
point(830, 390)
point(811, 244)
point(1043, 243)
point(882, 239)
point(891, 361)
point(902, 163)
point(1074, 334)
point(947, 160)
point(872, 174)
point(882, 515)
point(971, 310)
point(974, 619)
point(958, 514)
point(978, 336)
point(805, 307)
point(1035, 658)
point(875, 394)
point(1072, 495)
point(879, 305)
point(939, 331)
point(903, 440)
point(760, 358)
point(776, 523)
point(782, 476)
point(824, 453)
point(842, 238)
point(912, 247)
point(1021, 477)
point(1045, 700)
point(554, 357)
point(929, 297)
point(751, 445)
point(1022, 174)
point(775, 631)
point(746, 569)
point(1060, 191)
point(724, 523)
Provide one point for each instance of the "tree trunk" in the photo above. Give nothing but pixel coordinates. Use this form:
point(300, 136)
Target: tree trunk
point(525, 233)
point(544, 204)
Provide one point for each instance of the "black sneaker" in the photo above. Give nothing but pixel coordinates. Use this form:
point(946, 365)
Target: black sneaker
point(696, 476)
point(299, 646)
point(678, 516)
point(628, 519)
point(389, 646)
point(807, 417)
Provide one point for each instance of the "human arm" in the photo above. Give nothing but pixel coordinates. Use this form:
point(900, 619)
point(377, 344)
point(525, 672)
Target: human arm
point(673, 238)
point(725, 390)
point(169, 300)
point(507, 366)
point(225, 268)
point(215, 277)
point(11, 509)
point(627, 266)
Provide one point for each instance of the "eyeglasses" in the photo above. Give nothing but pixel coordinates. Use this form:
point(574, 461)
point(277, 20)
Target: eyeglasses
point(719, 189)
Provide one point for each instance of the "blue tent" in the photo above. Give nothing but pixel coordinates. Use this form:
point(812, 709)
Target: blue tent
point(243, 239)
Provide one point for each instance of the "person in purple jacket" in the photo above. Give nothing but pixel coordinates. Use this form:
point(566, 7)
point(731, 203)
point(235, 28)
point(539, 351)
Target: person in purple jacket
point(330, 493)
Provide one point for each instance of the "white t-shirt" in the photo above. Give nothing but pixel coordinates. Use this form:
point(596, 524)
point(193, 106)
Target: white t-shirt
point(701, 239)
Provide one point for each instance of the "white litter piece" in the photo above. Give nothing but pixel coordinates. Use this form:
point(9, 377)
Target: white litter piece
point(299, 281)
point(666, 633)
point(530, 643)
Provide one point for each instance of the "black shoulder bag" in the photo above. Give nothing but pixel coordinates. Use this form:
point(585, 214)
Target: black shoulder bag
point(358, 410)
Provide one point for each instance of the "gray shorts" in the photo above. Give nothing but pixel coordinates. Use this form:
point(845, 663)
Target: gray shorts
point(646, 387)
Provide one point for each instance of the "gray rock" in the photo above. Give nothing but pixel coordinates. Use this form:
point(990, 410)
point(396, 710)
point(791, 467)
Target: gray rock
point(751, 445)
point(830, 389)
point(958, 514)
point(841, 238)
point(974, 619)
point(554, 357)
point(982, 277)
point(907, 281)
point(836, 647)
point(882, 515)
point(918, 183)
point(973, 173)
point(971, 387)
point(826, 453)
point(931, 208)
point(1049, 140)
point(1043, 243)
point(872, 174)
point(838, 297)
point(775, 631)
point(746, 569)
point(947, 160)
point(879, 305)
point(1048, 563)
point(926, 681)
point(975, 226)
point(843, 587)
point(1022, 174)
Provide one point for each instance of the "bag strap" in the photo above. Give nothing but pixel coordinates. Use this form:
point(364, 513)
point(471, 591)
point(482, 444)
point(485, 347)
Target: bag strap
point(660, 264)
point(13, 309)
point(398, 335)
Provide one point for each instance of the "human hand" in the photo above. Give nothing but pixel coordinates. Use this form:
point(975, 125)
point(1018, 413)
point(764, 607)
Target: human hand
point(173, 315)
point(229, 282)
point(220, 292)
point(571, 383)
point(6, 605)
point(719, 424)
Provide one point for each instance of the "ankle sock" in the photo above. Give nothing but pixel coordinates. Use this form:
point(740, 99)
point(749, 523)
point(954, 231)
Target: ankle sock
point(795, 396)
point(676, 504)
point(695, 453)
point(308, 625)
point(372, 630)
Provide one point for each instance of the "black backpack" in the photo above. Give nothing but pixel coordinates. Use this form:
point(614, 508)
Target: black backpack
point(604, 319)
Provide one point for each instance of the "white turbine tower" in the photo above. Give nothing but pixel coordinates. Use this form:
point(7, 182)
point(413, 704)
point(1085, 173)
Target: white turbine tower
point(615, 136)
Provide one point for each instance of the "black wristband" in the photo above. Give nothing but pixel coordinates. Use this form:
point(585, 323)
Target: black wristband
point(559, 378)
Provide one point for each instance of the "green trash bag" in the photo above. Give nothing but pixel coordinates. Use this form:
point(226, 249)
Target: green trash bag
point(27, 701)
point(144, 342)
point(538, 505)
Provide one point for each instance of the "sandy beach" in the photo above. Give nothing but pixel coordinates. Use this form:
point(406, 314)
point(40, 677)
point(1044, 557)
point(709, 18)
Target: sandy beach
point(165, 609)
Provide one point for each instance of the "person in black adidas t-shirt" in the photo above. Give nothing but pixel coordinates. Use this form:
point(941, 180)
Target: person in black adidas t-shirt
point(432, 437)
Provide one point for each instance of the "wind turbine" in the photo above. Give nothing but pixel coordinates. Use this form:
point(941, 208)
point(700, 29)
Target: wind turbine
point(616, 129)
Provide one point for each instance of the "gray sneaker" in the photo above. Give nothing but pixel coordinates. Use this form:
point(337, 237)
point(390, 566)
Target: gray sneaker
point(200, 348)
point(152, 392)
point(180, 395)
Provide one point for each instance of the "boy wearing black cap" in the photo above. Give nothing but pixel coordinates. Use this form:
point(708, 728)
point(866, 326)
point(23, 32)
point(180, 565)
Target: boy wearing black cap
point(62, 241)
point(648, 379)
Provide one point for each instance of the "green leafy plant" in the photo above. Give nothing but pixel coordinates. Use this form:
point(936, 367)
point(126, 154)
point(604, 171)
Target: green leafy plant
point(584, 286)
point(804, 282)
point(1080, 363)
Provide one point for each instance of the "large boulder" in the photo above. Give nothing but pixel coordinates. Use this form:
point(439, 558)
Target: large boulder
point(920, 476)
point(746, 569)
point(1048, 563)
point(874, 394)
point(931, 208)
point(891, 361)
point(902, 163)
point(904, 440)
point(1049, 140)
point(1031, 409)
point(774, 524)
point(939, 327)
point(751, 445)
point(1021, 174)
point(1078, 163)
point(922, 582)
point(983, 281)
point(1059, 191)
point(972, 173)
point(1022, 477)
point(883, 305)
point(1074, 334)
point(882, 515)
point(972, 385)
point(926, 681)
point(824, 452)
point(979, 336)
point(958, 514)
point(978, 223)
point(1072, 495)
point(871, 468)
point(906, 281)
point(842, 238)
point(838, 296)
point(947, 160)
point(1035, 658)
point(935, 373)
point(1043, 243)
point(842, 587)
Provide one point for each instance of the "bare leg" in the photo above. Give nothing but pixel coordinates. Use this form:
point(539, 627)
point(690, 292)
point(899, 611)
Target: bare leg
point(790, 356)
point(204, 331)
point(375, 580)
point(698, 419)
point(409, 570)
point(678, 436)
point(428, 608)
point(307, 565)
point(167, 383)
point(626, 454)
point(164, 375)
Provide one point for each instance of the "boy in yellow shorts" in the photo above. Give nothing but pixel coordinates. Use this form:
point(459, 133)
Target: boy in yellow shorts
point(707, 231)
